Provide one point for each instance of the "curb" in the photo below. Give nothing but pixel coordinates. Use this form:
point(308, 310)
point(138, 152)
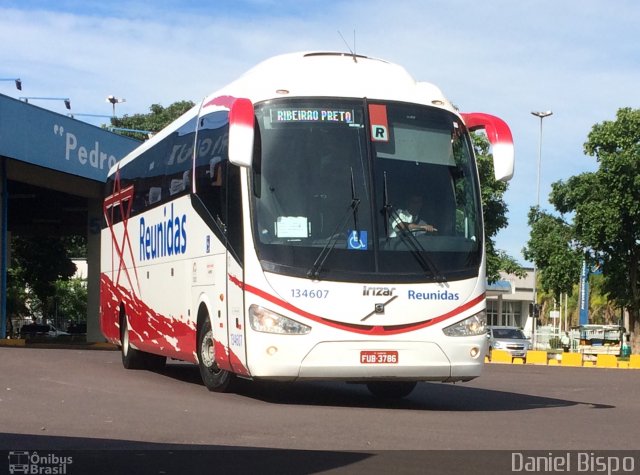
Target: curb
point(20, 343)
point(575, 360)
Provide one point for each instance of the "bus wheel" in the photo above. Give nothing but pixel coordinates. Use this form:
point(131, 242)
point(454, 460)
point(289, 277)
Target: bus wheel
point(391, 389)
point(131, 358)
point(214, 378)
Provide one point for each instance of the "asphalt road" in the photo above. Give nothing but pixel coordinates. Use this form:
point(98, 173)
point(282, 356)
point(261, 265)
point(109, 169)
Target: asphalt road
point(58, 399)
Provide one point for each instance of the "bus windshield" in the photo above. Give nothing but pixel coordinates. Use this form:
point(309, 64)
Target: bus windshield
point(352, 190)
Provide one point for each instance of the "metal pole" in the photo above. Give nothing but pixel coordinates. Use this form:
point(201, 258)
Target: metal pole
point(541, 115)
point(566, 313)
point(114, 100)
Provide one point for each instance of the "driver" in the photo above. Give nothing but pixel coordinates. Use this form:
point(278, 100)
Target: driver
point(409, 219)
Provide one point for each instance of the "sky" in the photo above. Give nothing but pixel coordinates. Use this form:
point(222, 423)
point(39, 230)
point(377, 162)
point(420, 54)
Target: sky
point(578, 58)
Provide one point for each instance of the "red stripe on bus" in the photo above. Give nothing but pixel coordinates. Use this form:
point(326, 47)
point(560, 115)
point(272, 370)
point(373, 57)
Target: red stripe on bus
point(361, 329)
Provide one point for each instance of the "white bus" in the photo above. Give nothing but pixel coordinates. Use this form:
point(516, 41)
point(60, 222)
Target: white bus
point(265, 234)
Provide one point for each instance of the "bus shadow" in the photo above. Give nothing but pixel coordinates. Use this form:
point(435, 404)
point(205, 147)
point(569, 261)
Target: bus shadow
point(426, 396)
point(109, 456)
point(180, 371)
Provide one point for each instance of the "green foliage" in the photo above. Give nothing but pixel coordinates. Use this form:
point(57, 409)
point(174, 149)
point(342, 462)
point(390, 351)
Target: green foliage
point(551, 246)
point(606, 204)
point(555, 342)
point(17, 294)
point(155, 121)
point(71, 299)
point(494, 212)
point(492, 191)
point(38, 263)
point(76, 246)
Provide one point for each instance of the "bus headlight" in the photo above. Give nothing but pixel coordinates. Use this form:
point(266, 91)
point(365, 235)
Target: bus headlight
point(267, 321)
point(472, 326)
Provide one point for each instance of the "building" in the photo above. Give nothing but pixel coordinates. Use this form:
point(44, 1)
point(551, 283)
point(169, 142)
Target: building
point(52, 174)
point(510, 301)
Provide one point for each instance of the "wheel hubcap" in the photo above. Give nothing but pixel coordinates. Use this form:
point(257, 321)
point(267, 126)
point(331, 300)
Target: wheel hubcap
point(207, 352)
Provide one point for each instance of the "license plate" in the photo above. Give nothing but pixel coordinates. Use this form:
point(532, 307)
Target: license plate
point(379, 357)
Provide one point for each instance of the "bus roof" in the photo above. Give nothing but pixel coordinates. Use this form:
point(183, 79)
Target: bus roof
point(315, 74)
point(332, 74)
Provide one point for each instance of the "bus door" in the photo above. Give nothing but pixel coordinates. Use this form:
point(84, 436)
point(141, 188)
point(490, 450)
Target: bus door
point(219, 203)
point(235, 270)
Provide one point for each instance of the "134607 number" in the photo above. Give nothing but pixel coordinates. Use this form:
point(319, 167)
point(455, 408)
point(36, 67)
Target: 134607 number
point(309, 294)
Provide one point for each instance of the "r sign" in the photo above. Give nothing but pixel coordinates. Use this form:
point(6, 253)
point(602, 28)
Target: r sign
point(379, 123)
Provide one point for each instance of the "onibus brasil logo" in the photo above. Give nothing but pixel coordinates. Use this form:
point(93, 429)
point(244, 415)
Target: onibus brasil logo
point(34, 463)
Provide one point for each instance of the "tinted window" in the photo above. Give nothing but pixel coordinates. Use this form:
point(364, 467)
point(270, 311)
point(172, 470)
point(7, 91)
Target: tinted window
point(161, 173)
point(333, 178)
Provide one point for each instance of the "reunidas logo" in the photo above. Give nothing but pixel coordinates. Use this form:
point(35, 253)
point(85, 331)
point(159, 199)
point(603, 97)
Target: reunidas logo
point(165, 238)
point(437, 295)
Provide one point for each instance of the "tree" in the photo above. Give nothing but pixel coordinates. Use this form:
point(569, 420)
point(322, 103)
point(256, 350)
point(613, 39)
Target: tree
point(606, 207)
point(552, 247)
point(17, 297)
point(38, 263)
point(71, 297)
point(494, 210)
point(155, 121)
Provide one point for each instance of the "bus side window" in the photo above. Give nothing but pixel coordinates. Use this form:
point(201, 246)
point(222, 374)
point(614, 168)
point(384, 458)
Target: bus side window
point(146, 174)
point(211, 159)
point(178, 161)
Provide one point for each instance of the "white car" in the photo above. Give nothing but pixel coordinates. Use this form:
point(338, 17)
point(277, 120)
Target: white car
point(510, 339)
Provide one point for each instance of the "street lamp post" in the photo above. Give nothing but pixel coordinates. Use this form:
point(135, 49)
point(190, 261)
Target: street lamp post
point(115, 100)
point(541, 115)
point(66, 100)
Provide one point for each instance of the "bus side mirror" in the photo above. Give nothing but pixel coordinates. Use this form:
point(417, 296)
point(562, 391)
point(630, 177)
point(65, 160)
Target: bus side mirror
point(500, 138)
point(241, 122)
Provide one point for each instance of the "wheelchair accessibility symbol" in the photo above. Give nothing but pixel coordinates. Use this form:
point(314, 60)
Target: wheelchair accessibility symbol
point(357, 240)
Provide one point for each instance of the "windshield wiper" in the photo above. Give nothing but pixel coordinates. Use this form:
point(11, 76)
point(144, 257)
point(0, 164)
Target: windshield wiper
point(314, 272)
point(407, 237)
point(356, 228)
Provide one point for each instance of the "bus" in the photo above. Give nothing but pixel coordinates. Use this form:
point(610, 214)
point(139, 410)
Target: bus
point(263, 235)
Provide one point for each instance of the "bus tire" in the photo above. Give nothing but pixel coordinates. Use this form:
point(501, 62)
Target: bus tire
point(391, 389)
point(214, 378)
point(131, 358)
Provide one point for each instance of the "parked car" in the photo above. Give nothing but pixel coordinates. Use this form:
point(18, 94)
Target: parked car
point(77, 328)
point(510, 339)
point(44, 330)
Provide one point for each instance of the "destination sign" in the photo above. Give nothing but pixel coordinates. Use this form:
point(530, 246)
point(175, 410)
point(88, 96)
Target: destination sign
point(312, 115)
